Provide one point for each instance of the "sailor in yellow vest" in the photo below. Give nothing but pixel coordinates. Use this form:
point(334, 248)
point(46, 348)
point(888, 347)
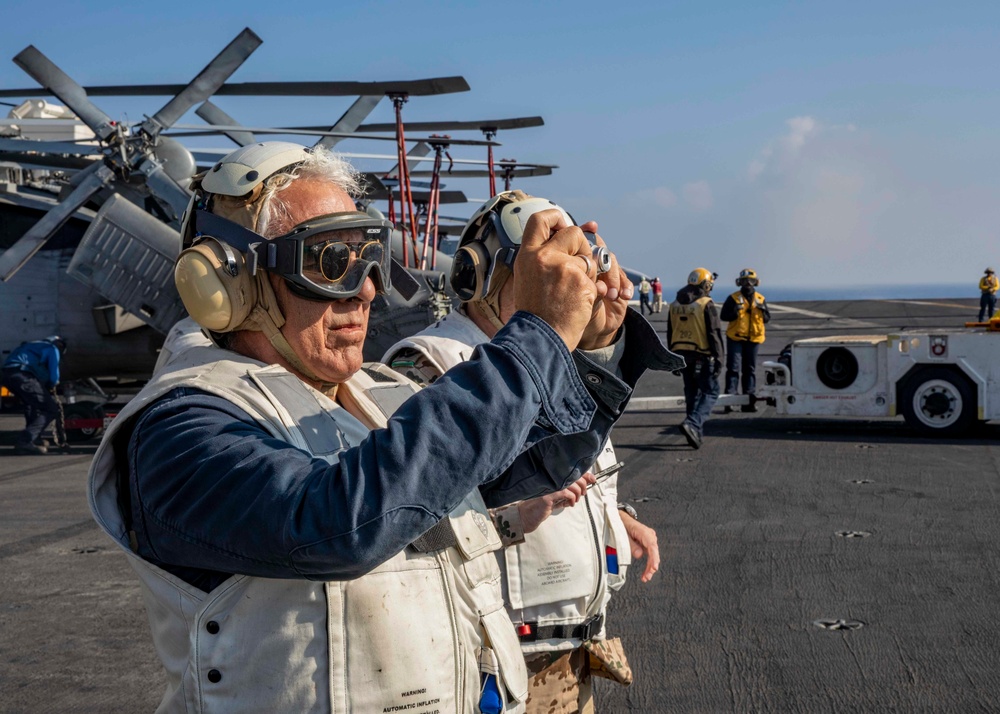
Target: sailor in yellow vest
point(988, 286)
point(561, 621)
point(311, 532)
point(746, 312)
point(695, 333)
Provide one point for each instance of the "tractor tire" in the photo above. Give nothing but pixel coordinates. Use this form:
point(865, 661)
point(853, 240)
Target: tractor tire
point(939, 401)
point(83, 410)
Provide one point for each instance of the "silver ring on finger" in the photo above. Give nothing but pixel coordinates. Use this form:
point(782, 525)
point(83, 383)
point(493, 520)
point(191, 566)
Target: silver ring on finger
point(586, 261)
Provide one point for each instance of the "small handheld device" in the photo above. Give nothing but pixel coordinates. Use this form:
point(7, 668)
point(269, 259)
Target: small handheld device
point(602, 258)
point(601, 475)
point(604, 474)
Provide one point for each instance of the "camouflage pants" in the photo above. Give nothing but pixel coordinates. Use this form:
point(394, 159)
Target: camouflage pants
point(562, 682)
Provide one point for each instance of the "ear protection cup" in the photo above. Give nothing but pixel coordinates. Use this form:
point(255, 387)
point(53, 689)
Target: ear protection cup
point(468, 271)
point(215, 285)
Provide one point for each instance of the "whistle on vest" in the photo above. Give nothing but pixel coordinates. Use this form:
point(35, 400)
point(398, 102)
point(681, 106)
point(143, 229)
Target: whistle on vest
point(490, 698)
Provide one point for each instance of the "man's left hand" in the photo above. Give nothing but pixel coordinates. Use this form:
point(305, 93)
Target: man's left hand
point(609, 311)
point(642, 539)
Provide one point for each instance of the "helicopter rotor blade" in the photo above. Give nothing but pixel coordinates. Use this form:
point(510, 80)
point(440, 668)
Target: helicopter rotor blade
point(504, 165)
point(372, 182)
point(196, 130)
point(417, 153)
point(206, 83)
point(214, 115)
point(49, 147)
point(97, 177)
point(352, 118)
point(414, 88)
point(168, 192)
point(482, 173)
point(208, 157)
point(46, 73)
point(55, 161)
point(423, 196)
point(493, 125)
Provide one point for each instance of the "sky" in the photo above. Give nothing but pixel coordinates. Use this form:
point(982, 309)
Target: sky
point(821, 144)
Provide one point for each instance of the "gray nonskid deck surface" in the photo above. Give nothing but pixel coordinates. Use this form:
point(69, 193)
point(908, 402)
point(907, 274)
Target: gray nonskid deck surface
point(754, 536)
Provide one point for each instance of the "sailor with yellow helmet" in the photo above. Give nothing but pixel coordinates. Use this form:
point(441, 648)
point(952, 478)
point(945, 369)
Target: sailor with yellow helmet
point(695, 333)
point(988, 286)
point(746, 312)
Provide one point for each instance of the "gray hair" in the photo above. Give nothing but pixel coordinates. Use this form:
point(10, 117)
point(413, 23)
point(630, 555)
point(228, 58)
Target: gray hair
point(322, 164)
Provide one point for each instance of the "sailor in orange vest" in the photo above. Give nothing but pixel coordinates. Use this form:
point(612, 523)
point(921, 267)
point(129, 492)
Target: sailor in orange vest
point(746, 312)
point(988, 285)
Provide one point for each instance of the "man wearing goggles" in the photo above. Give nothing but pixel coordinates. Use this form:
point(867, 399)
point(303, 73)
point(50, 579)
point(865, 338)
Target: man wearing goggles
point(325, 258)
point(311, 533)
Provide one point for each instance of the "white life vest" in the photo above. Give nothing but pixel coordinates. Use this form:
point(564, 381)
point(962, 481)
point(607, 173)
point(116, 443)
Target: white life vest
point(185, 334)
point(559, 575)
point(411, 635)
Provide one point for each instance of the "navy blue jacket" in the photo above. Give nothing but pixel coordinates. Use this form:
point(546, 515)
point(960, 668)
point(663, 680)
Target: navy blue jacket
point(212, 493)
point(40, 358)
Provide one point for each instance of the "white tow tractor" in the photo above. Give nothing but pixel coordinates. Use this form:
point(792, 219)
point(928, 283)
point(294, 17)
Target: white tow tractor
point(941, 382)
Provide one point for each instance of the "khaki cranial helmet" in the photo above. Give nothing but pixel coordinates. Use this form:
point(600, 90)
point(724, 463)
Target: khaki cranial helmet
point(703, 278)
point(217, 285)
point(748, 276)
point(484, 260)
point(233, 187)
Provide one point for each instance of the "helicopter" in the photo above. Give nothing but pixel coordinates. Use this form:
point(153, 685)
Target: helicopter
point(101, 200)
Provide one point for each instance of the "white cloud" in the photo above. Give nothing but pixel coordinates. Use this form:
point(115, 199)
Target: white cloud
point(782, 153)
point(660, 196)
point(698, 195)
point(823, 204)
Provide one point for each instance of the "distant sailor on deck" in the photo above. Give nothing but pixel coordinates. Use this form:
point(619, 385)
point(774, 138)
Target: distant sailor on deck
point(695, 333)
point(746, 312)
point(988, 286)
point(657, 295)
point(31, 372)
point(645, 296)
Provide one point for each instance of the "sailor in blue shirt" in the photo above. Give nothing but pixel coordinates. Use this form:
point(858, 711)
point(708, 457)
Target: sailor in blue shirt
point(31, 372)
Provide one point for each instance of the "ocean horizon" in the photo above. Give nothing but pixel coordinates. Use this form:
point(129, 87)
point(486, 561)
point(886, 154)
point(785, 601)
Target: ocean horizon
point(792, 293)
point(920, 291)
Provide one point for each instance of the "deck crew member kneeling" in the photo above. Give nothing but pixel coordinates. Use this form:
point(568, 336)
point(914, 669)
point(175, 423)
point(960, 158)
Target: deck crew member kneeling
point(305, 540)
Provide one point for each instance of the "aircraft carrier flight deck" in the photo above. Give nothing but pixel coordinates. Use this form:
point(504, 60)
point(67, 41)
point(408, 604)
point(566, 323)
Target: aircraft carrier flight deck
point(808, 564)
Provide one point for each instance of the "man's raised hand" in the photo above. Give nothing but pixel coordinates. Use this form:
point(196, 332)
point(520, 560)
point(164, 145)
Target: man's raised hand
point(551, 278)
point(609, 310)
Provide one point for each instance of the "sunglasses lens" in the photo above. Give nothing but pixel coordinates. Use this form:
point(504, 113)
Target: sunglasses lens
point(372, 252)
point(334, 260)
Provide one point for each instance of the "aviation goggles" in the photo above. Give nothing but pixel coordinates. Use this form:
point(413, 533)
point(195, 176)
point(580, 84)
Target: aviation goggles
point(324, 258)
